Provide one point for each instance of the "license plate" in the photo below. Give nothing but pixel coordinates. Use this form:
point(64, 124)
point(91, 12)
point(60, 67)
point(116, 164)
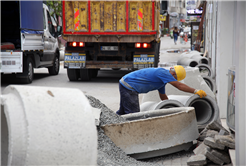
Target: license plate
point(74, 60)
point(143, 61)
point(109, 48)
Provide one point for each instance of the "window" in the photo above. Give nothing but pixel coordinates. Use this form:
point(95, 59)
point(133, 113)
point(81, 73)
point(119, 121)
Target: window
point(50, 25)
point(44, 20)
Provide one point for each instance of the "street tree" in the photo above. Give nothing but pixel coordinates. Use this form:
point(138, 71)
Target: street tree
point(55, 9)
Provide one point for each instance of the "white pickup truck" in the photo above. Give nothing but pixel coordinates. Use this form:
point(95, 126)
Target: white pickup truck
point(28, 39)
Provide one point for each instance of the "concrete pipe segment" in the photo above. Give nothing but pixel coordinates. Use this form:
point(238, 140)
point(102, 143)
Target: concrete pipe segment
point(187, 62)
point(195, 56)
point(210, 82)
point(164, 104)
point(154, 133)
point(205, 70)
point(206, 108)
point(47, 126)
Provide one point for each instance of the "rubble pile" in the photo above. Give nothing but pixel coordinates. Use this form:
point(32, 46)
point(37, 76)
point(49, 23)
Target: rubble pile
point(214, 144)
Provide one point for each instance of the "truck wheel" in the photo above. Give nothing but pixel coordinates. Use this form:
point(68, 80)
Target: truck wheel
point(73, 74)
point(85, 74)
point(94, 73)
point(28, 71)
point(54, 70)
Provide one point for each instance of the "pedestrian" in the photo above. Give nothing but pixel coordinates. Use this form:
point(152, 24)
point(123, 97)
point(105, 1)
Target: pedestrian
point(149, 79)
point(175, 34)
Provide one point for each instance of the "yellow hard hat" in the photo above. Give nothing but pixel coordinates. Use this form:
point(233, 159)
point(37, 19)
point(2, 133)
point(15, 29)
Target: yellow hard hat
point(180, 72)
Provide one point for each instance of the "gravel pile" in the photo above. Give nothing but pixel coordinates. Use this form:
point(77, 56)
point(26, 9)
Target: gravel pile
point(109, 154)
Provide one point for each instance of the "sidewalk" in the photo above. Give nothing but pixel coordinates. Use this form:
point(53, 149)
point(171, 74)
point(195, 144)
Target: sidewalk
point(169, 51)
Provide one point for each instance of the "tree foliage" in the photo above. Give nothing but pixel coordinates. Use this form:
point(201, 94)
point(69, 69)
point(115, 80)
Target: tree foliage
point(55, 9)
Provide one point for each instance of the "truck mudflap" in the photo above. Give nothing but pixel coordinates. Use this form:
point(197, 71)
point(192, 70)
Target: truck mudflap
point(11, 62)
point(141, 61)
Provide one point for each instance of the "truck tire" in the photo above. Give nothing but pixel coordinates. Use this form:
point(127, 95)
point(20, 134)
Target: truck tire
point(73, 74)
point(94, 73)
point(28, 72)
point(157, 54)
point(54, 70)
point(85, 74)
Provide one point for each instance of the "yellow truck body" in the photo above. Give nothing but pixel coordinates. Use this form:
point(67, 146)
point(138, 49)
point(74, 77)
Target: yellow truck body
point(106, 35)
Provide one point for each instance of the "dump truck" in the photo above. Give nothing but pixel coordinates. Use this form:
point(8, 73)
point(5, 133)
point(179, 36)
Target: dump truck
point(110, 34)
point(28, 39)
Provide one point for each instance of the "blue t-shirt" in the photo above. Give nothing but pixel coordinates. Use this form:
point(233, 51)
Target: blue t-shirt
point(149, 79)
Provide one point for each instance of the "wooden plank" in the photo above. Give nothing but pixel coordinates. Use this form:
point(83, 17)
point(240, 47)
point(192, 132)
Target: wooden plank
point(69, 15)
point(133, 7)
point(121, 16)
point(83, 15)
point(147, 13)
point(95, 16)
point(108, 16)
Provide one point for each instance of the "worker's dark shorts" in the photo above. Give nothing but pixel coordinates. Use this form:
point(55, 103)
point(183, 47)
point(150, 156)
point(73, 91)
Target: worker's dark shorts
point(129, 102)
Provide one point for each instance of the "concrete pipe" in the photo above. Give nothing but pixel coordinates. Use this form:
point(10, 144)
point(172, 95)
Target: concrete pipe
point(210, 82)
point(155, 135)
point(187, 62)
point(200, 59)
point(164, 104)
point(189, 54)
point(206, 108)
point(47, 126)
point(195, 55)
point(205, 70)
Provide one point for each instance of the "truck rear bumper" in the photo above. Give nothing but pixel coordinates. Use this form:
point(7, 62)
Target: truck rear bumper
point(100, 64)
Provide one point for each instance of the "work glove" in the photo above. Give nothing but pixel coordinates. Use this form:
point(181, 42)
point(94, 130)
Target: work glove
point(201, 93)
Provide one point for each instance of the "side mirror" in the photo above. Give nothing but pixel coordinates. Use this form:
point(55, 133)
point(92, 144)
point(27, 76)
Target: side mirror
point(59, 30)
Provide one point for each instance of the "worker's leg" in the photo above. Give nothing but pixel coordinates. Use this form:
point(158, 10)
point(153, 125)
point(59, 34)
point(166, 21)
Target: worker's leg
point(129, 102)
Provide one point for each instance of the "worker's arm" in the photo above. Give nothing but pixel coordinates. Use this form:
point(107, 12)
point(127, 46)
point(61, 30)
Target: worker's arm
point(163, 96)
point(186, 88)
point(182, 87)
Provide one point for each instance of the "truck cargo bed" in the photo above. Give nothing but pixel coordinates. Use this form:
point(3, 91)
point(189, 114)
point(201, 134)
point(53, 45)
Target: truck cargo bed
point(131, 21)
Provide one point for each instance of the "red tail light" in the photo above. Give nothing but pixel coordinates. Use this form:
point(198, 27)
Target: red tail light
point(142, 45)
point(145, 45)
point(138, 45)
point(74, 44)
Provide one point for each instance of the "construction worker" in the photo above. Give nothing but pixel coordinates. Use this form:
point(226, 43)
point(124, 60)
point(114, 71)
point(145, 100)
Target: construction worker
point(149, 79)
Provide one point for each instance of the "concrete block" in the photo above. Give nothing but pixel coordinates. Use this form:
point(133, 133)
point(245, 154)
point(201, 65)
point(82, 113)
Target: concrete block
point(155, 133)
point(96, 112)
point(232, 156)
point(209, 141)
point(213, 158)
point(217, 126)
point(222, 132)
point(211, 133)
point(208, 133)
point(199, 159)
point(225, 140)
point(224, 156)
point(201, 149)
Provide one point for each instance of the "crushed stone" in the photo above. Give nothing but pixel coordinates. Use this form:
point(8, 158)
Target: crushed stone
point(109, 154)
